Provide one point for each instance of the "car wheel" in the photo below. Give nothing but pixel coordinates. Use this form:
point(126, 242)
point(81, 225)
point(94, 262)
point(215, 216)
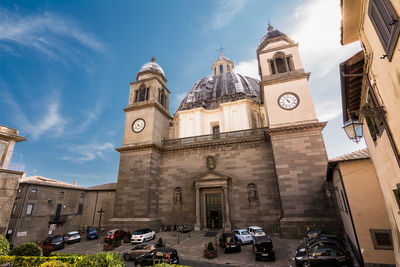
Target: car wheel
point(127, 257)
point(257, 258)
point(240, 249)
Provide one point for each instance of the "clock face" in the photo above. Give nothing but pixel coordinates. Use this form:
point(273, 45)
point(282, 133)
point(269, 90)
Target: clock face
point(138, 125)
point(288, 101)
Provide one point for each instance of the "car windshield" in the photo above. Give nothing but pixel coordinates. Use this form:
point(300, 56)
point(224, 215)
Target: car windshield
point(57, 238)
point(92, 232)
point(259, 231)
point(263, 244)
point(110, 233)
point(138, 233)
point(245, 233)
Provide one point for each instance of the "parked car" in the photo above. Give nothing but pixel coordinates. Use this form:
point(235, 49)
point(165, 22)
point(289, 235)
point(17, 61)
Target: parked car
point(92, 233)
point(256, 231)
point(324, 256)
point(229, 242)
point(142, 235)
point(54, 242)
point(158, 255)
point(263, 248)
point(72, 237)
point(138, 250)
point(115, 234)
point(315, 232)
point(321, 243)
point(243, 235)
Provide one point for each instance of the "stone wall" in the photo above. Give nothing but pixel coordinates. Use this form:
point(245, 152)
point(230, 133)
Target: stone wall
point(244, 163)
point(8, 191)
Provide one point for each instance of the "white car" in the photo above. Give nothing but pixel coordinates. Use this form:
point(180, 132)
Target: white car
point(243, 235)
point(256, 231)
point(142, 235)
point(72, 237)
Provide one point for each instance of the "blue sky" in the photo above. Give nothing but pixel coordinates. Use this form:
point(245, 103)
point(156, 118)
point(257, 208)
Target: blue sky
point(65, 68)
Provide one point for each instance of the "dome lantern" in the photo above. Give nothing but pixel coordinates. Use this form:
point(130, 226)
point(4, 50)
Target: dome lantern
point(222, 65)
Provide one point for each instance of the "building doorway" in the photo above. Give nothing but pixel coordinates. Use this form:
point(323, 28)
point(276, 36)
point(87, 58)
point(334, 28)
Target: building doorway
point(213, 210)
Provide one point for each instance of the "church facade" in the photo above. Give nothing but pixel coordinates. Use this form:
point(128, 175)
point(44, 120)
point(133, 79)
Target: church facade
point(237, 152)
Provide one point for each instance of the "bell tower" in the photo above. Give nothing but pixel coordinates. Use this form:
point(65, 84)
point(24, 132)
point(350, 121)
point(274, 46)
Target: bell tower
point(295, 133)
point(284, 83)
point(146, 126)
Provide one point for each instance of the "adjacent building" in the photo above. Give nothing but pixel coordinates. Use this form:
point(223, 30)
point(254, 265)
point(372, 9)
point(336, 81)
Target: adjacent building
point(45, 206)
point(362, 208)
point(370, 93)
point(238, 151)
point(8, 177)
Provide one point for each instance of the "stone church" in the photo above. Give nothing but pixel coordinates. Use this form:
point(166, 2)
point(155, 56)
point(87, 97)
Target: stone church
point(237, 152)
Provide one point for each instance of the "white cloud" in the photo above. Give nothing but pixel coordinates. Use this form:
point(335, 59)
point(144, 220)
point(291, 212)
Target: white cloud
point(49, 122)
point(316, 26)
point(248, 68)
point(224, 13)
point(328, 110)
point(48, 32)
point(89, 152)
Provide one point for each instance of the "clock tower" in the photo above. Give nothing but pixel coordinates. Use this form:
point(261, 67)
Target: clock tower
point(297, 143)
point(146, 126)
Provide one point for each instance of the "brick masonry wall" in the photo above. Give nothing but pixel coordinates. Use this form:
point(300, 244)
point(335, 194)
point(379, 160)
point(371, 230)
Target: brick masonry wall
point(8, 191)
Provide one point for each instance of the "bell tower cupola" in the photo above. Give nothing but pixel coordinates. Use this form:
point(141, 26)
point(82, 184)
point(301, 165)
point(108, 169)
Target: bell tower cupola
point(222, 65)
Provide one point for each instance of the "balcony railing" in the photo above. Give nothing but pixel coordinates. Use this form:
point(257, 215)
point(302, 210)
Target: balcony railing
point(215, 137)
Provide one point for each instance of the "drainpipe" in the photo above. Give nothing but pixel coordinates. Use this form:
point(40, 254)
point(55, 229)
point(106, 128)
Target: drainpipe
point(20, 215)
point(95, 208)
point(351, 218)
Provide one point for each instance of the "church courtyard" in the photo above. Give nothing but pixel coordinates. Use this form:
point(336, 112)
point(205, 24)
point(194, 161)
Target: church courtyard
point(190, 250)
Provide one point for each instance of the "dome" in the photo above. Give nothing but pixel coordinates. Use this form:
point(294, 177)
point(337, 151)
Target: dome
point(271, 34)
point(152, 66)
point(210, 91)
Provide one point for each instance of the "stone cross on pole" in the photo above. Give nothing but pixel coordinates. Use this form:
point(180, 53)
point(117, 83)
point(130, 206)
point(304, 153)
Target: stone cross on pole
point(101, 211)
point(221, 49)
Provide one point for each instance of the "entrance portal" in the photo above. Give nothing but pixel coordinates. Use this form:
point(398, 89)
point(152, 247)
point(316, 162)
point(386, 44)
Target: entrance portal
point(214, 211)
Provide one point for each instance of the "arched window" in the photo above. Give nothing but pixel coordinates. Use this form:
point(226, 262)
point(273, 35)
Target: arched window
point(280, 65)
point(221, 69)
point(142, 94)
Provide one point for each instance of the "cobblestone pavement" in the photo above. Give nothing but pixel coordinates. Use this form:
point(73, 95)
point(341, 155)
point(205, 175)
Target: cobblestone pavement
point(190, 250)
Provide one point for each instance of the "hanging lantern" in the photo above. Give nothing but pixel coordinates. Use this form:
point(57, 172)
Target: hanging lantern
point(353, 130)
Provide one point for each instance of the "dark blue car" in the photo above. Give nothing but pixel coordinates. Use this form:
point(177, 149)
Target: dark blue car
point(92, 233)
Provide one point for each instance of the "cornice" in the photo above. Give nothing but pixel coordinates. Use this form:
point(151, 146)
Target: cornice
point(152, 104)
point(273, 40)
point(286, 78)
point(278, 48)
point(16, 138)
point(212, 143)
point(139, 147)
point(11, 172)
point(296, 128)
point(152, 72)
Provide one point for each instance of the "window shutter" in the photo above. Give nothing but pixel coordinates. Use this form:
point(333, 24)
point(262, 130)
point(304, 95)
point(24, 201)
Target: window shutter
point(386, 24)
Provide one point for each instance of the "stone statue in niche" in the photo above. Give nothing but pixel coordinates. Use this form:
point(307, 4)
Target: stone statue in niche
point(211, 163)
point(252, 191)
point(178, 196)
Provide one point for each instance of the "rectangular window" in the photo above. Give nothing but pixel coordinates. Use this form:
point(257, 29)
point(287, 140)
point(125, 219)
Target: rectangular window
point(147, 93)
point(136, 96)
point(29, 209)
point(80, 208)
point(216, 129)
point(82, 195)
point(34, 191)
point(61, 194)
point(396, 193)
point(289, 63)
point(386, 24)
point(372, 115)
point(382, 238)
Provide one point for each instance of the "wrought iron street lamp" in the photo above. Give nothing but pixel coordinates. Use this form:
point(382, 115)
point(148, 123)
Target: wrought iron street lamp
point(353, 130)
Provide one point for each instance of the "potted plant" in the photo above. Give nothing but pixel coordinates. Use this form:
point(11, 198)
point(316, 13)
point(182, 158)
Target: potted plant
point(209, 251)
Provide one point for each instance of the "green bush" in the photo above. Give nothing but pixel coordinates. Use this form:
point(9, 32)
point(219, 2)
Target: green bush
point(4, 246)
point(54, 264)
point(210, 246)
point(27, 249)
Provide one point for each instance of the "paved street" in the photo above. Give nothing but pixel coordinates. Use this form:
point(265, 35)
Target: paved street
point(190, 250)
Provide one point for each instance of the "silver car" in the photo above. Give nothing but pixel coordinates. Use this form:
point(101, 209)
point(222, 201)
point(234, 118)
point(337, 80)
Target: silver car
point(243, 235)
